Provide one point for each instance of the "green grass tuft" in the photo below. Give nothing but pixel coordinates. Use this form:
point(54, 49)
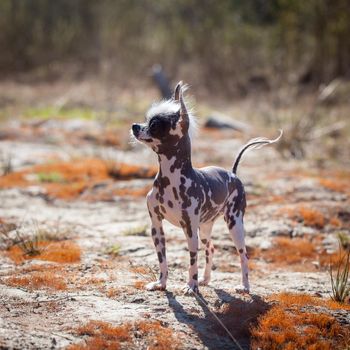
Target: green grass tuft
point(50, 177)
point(340, 282)
point(136, 231)
point(60, 113)
point(114, 250)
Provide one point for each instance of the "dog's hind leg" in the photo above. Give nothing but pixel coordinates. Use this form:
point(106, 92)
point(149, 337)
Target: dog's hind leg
point(235, 225)
point(204, 233)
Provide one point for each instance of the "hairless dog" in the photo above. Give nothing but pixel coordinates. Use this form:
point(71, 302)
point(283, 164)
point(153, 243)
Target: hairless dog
point(191, 198)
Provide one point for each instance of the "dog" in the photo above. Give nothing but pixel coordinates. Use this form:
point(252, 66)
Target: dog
point(191, 198)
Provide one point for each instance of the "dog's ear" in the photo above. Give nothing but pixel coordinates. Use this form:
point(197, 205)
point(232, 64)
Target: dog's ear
point(184, 118)
point(177, 91)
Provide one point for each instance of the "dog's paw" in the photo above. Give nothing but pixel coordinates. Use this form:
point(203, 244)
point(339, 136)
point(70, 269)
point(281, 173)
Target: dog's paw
point(242, 289)
point(155, 286)
point(203, 281)
point(190, 290)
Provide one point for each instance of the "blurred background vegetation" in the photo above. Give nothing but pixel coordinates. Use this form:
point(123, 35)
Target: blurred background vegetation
point(231, 46)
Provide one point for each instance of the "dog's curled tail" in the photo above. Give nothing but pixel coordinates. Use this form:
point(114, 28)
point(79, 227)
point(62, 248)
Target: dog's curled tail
point(254, 144)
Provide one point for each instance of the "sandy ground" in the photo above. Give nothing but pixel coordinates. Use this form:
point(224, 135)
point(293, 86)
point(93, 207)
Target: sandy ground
point(109, 287)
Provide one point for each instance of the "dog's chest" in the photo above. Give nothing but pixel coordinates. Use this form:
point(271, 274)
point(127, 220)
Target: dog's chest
point(170, 203)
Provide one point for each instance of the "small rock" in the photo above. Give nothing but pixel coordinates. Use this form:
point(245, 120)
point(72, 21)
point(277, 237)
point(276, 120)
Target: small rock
point(316, 264)
point(137, 300)
point(220, 121)
point(331, 244)
point(265, 245)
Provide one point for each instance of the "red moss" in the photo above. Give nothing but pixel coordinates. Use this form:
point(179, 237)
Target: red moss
point(312, 217)
point(61, 252)
point(158, 336)
point(103, 335)
point(38, 280)
point(139, 284)
point(288, 326)
point(288, 251)
point(334, 221)
point(299, 254)
point(74, 177)
point(290, 299)
point(339, 182)
point(113, 292)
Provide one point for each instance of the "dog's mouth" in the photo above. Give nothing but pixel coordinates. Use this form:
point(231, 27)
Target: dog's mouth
point(140, 138)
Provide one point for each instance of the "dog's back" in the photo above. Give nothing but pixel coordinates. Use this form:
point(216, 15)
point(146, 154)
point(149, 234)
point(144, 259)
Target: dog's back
point(219, 187)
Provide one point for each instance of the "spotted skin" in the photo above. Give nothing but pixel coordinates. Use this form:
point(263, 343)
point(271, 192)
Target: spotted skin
point(204, 233)
point(189, 198)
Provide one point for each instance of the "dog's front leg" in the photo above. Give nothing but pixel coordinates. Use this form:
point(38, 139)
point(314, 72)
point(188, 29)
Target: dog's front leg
point(191, 232)
point(159, 243)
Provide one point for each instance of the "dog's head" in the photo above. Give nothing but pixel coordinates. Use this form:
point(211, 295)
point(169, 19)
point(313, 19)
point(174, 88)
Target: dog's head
point(167, 122)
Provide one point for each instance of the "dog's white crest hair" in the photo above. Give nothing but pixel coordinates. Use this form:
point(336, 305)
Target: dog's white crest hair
point(163, 107)
point(171, 107)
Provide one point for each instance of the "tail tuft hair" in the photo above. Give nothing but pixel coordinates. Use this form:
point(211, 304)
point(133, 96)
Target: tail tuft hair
point(254, 144)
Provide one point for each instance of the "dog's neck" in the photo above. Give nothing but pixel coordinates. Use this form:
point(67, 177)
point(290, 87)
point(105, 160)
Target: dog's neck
point(176, 157)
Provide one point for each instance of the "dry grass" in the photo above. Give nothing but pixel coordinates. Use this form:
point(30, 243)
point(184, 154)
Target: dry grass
point(38, 280)
point(292, 299)
point(330, 260)
point(335, 222)
point(308, 216)
point(340, 281)
point(288, 325)
point(61, 252)
point(299, 254)
point(140, 284)
point(333, 185)
point(72, 178)
point(311, 217)
point(157, 336)
point(338, 181)
point(113, 292)
point(103, 335)
point(145, 272)
point(87, 283)
point(289, 251)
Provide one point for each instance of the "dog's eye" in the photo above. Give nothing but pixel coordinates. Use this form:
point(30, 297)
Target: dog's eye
point(153, 126)
point(158, 127)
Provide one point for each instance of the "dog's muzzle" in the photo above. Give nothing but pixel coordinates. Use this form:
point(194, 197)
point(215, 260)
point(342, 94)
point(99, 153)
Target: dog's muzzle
point(136, 128)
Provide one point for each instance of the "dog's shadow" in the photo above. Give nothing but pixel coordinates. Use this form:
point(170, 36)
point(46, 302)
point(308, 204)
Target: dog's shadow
point(237, 314)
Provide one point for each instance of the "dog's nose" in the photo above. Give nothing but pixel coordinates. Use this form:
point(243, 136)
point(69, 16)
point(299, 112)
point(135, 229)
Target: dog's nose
point(136, 129)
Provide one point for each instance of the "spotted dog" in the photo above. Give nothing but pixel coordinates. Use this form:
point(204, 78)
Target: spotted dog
point(190, 198)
